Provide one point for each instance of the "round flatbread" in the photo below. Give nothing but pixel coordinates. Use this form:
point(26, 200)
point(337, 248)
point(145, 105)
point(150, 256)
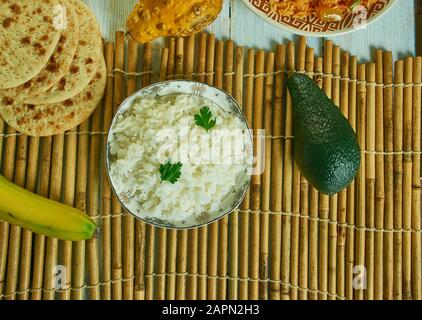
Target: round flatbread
point(59, 62)
point(29, 33)
point(85, 61)
point(51, 119)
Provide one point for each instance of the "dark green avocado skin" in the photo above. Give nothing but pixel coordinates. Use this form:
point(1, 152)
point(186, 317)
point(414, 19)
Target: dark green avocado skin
point(325, 146)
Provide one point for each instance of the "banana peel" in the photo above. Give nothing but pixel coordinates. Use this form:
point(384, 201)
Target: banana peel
point(41, 215)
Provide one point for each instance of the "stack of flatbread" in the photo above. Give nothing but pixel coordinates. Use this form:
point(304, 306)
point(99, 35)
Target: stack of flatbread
point(52, 70)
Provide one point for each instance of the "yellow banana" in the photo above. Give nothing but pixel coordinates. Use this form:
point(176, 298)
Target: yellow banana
point(40, 215)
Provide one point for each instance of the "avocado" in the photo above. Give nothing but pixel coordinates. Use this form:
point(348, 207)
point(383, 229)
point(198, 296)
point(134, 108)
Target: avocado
point(326, 149)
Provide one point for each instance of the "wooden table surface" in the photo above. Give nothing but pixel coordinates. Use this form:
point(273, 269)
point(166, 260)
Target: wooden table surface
point(394, 31)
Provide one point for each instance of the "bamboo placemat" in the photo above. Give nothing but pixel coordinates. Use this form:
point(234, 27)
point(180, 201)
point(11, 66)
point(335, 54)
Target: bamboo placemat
point(286, 241)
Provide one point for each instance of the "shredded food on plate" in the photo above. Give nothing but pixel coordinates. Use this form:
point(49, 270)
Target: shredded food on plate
point(326, 10)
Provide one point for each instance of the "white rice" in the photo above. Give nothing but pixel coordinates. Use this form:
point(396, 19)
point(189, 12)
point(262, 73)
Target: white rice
point(155, 130)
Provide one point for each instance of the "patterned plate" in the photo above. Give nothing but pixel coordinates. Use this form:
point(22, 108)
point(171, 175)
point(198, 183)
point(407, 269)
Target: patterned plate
point(313, 26)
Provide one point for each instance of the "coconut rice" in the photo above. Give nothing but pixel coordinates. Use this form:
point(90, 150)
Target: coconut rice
point(154, 130)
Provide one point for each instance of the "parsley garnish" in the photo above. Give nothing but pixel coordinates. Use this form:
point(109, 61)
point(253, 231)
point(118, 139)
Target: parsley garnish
point(170, 172)
point(203, 119)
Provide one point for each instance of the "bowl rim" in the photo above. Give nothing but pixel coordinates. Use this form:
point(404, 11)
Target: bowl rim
point(124, 106)
point(318, 34)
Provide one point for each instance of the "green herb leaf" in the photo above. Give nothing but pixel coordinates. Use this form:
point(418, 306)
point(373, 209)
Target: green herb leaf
point(170, 172)
point(204, 119)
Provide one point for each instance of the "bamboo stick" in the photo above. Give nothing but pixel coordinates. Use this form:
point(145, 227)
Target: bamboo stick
point(342, 199)
point(203, 232)
point(379, 179)
point(179, 59)
point(398, 180)
point(163, 63)
point(313, 213)
point(15, 231)
point(189, 57)
point(336, 96)
point(295, 228)
point(55, 194)
point(389, 189)
point(106, 189)
point(21, 160)
point(407, 178)
point(140, 228)
point(150, 231)
point(129, 220)
point(8, 173)
point(93, 202)
point(304, 211)
point(160, 283)
point(213, 241)
point(222, 259)
point(287, 183)
point(324, 200)
point(193, 240)
point(182, 235)
point(234, 256)
point(171, 264)
point(161, 263)
point(224, 222)
point(277, 174)
point(335, 82)
point(202, 263)
point(213, 233)
point(219, 64)
point(370, 180)
point(69, 182)
point(116, 209)
point(170, 63)
point(26, 243)
point(210, 59)
point(360, 183)
point(256, 178)
point(171, 234)
point(350, 207)
point(332, 228)
point(266, 177)
point(181, 264)
point(234, 218)
point(416, 192)
point(191, 281)
point(244, 217)
point(78, 267)
point(296, 186)
point(202, 57)
point(192, 253)
point(44, 184)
